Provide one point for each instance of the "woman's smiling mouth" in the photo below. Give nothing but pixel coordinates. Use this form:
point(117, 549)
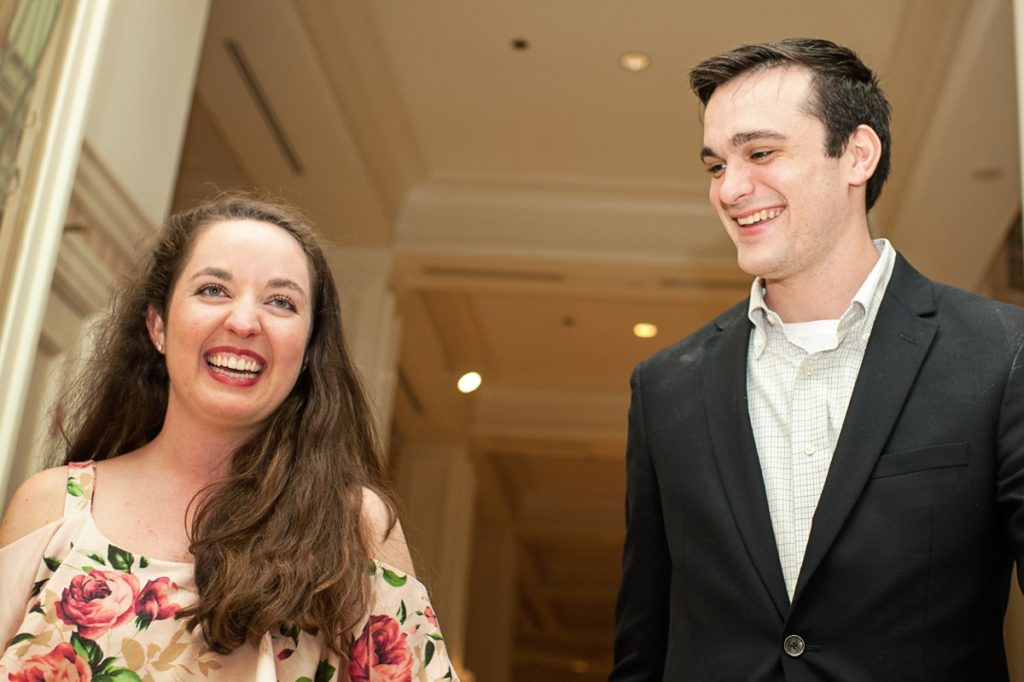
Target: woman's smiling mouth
point(234, 367)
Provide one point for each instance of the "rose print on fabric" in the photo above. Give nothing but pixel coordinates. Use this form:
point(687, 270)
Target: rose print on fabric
point(382, 652)
point(62, 664)
point(103, 614)
point(97, 601)
point(155, 602)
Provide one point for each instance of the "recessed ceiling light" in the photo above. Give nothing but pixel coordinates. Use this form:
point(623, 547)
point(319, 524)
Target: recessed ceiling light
point(469, 382)
point(645, 330)
point(635, 61)
point(579, 666)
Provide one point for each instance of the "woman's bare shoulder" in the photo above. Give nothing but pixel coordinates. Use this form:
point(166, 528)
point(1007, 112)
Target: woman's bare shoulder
point(385, 542)
point(37, 502)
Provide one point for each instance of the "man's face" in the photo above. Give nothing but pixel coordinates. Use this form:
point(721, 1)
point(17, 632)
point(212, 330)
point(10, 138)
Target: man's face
point(785, 204)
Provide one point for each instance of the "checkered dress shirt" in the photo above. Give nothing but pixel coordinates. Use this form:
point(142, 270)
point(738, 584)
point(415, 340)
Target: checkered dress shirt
point(797, 402)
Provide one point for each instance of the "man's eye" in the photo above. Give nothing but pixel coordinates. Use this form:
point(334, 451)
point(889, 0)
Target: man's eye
point(715, 169)
point(761, 155)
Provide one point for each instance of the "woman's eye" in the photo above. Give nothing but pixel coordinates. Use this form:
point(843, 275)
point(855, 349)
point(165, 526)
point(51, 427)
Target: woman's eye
point(211, 290)
point(284, 303)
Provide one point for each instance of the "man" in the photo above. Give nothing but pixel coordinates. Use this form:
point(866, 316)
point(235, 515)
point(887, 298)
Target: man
point(826, 482)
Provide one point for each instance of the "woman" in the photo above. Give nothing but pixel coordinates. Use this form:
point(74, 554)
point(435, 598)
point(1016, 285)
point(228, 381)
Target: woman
point(223, 512)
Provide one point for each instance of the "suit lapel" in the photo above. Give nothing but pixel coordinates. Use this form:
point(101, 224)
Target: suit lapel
point(725, 381)
point(899, 342)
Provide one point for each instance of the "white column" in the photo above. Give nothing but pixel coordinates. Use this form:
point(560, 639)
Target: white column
point(492, 602)
point(33, 230)
point(438, 487)
point(372, 328)
point(122, 91)
point(143, 96)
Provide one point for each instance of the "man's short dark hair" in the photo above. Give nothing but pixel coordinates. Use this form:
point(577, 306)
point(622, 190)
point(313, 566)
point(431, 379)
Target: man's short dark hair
point(845, 92)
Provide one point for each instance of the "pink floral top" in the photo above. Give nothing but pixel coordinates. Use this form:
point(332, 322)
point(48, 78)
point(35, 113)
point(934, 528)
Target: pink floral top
point(73, 606)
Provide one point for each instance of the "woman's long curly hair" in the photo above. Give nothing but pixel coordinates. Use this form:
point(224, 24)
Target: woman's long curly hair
point(279, 540)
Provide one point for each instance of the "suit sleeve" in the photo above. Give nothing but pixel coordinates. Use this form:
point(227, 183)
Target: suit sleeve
point(641, 613)
point(1010, 465)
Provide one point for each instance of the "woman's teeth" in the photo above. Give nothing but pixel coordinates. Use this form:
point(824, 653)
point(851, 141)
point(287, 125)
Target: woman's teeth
point(235, 362)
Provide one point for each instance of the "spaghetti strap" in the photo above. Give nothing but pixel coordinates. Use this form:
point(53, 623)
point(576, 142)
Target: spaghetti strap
point(80, 485)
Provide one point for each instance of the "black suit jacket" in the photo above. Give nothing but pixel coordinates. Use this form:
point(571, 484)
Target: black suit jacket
point(907, 568)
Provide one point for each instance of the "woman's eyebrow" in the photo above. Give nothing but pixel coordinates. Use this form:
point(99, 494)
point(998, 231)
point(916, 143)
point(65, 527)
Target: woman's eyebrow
point(211, 272)
point(282, 283)
point(275, 283)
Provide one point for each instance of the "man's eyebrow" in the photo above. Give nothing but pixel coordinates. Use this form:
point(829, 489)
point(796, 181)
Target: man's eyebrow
point(706, 152)
point(740, 139)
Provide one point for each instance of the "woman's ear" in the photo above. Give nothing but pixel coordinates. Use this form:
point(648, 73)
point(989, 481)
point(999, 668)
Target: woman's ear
point(155, 326)
point(864, 149)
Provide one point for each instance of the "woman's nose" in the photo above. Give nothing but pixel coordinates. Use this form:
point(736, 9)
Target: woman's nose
point(243, 320)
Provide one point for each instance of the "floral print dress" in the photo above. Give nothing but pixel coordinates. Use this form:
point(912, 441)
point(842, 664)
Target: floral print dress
point(73, 606)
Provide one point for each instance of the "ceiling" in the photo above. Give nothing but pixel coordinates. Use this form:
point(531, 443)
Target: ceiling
point(538, 202)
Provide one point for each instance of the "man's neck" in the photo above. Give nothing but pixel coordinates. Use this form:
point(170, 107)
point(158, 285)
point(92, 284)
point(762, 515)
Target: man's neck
point(826, 292)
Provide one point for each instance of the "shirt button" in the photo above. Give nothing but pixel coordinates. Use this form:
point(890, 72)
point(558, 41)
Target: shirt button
point(808, 370)
point(809, 450)
point(794, 646)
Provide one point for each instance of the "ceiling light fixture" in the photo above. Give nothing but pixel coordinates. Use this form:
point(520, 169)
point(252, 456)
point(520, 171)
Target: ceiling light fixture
point(469, 382)
point(988, 174)
point(635, 61)
point(645, 330)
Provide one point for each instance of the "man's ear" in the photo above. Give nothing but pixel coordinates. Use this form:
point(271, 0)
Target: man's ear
point(155, 326)
point(863, 150)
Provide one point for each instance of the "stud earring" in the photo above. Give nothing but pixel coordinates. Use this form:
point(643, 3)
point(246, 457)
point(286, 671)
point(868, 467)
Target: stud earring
point(160, 348)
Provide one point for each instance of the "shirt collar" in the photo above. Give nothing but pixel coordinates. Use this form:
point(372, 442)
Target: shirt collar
point(864, 304)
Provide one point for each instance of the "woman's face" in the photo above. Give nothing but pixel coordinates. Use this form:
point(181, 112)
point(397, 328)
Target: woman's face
point(236, 326)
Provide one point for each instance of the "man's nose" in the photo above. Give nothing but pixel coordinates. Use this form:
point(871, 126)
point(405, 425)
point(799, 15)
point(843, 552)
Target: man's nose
point(243, 319)
point(734, 184)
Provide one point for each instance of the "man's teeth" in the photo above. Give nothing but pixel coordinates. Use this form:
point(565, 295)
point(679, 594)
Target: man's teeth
point(235, 362)
point(758, 217)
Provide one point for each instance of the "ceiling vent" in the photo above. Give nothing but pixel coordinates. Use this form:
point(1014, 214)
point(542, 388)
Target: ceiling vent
point(482, 273)
point(262, 102)
point(405, 386)
point(698, 283)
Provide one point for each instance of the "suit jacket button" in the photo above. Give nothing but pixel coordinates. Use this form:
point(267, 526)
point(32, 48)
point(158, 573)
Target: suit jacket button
point(794, 646)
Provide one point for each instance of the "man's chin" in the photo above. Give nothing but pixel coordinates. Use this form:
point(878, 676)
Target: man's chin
point(755, 267)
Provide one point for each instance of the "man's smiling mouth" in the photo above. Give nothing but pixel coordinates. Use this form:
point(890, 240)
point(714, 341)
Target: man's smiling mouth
point(760, 216)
